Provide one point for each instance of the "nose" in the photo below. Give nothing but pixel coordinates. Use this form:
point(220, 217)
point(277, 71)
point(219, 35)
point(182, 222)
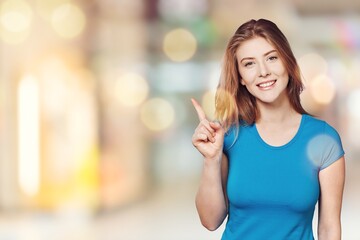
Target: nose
point(263, 70)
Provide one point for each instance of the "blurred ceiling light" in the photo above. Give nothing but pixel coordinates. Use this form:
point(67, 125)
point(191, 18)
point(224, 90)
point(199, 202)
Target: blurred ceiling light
point(353, 103)
point(68, 20)
point(28, 135)
point(208, 103)
point(131, 89)
point(157, 114)
point(179, 45)
point(312, 65)
point(322, 89)
point(15, 21)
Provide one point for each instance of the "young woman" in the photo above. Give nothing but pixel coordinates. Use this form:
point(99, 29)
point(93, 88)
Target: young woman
point(267, 162)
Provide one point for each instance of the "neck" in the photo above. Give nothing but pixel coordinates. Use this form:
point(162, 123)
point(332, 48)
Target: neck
point(275, 113)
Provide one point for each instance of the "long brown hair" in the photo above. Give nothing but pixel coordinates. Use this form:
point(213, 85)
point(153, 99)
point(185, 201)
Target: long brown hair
point(233, 101)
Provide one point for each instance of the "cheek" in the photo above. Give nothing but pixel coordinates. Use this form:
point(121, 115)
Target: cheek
point(280, 69)
point(247, 77)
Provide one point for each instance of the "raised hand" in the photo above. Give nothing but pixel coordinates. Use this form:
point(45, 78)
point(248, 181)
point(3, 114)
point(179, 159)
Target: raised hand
point(208, 137)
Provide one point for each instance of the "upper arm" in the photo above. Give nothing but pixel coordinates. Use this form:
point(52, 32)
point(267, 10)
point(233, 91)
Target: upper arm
point(332, 179)
point(224, 176)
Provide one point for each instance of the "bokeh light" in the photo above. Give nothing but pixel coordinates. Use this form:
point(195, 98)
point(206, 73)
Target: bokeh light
point(318, 145)
point(16, 17)
point(322, 89)
point(208, 104)
point(179, 45)
point(15, 21)
point(312, 65)
point(131, 89)
point(45, 8)
point(225, 99)
point(157, 114)
point(68, 20)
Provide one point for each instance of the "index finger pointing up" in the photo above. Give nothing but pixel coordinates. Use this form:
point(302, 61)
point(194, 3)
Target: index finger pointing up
point(199, 110)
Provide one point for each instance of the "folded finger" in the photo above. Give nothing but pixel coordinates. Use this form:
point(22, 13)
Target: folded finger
point(207, 125)
point(205, 135)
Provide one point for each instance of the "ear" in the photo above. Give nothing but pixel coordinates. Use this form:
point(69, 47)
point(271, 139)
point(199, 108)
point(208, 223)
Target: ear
point(242, 81)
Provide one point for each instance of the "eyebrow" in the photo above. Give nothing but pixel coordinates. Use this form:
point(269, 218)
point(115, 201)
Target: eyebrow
point(265, 54)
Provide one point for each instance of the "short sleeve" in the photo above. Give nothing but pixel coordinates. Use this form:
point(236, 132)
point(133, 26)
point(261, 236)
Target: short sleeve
point(325, 147)
point(333, 148)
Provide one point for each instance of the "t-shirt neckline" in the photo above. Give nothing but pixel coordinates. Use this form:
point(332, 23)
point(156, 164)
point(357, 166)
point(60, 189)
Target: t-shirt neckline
point(291, 141)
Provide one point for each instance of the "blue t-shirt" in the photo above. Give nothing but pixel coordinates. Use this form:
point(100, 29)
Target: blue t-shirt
point(272, 191)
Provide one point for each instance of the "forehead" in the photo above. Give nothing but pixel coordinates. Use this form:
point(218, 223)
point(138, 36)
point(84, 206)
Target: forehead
point(254, 47)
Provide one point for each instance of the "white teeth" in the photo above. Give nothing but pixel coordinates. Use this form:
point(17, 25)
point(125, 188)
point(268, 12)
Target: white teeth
point(267, 84)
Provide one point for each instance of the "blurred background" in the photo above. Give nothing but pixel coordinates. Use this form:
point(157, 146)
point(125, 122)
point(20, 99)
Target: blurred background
point(95, 112)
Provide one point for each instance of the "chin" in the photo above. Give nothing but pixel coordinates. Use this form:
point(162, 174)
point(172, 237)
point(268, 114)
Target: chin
point(269, 99)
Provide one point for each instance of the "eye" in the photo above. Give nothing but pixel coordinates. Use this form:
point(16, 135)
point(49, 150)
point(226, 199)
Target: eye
point(272, 58)
point(248, 64)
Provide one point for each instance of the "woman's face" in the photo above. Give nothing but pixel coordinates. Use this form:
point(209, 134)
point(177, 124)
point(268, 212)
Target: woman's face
point(262, 71)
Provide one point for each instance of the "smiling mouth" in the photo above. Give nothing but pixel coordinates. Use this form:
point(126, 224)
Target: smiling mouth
point(266, 84)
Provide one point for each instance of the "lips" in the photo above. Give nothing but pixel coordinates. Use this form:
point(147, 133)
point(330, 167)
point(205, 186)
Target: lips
point(266, 84)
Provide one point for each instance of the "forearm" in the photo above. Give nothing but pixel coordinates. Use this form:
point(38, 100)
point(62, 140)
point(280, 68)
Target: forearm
point(332, 181)
point(210, 199)
point(330, 232)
